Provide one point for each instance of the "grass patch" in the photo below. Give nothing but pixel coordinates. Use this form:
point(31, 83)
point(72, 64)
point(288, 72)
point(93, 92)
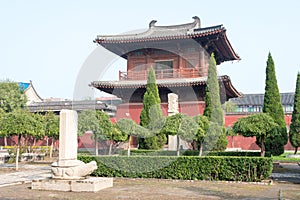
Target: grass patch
point(283, 158)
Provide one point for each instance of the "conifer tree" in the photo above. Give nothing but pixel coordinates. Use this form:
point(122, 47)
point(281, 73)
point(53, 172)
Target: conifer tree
point(295, 125)
point(213, 110)
point(151, 116)
point(272, 105)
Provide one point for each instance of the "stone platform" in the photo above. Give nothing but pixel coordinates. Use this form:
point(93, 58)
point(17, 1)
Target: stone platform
point(91, 184)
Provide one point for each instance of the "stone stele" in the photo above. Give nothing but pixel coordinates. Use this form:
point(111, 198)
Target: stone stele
point(173, 109)
point(68, 173)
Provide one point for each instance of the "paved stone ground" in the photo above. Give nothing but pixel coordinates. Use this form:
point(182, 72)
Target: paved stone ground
point(26, 174)
point(16, 185)
point(287, 172)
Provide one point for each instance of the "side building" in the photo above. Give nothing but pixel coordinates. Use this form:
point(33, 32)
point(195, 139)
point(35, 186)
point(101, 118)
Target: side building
point(38, 105)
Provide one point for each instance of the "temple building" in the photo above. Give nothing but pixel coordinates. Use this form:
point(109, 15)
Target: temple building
point(179, 54)
point(30, 92)
point(37, 104)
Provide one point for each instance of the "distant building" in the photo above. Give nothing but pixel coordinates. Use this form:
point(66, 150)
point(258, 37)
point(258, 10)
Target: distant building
point(36, 104)
point(30, 92)
point(252, 103)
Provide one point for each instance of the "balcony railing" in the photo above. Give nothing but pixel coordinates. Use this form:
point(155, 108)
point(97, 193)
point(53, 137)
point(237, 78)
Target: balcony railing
point(161, 74)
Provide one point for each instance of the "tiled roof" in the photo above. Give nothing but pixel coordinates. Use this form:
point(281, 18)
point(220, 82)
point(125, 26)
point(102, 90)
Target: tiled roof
point(213, 39)
point(142, 83)
point(258, 99)
point(68, 104)
point(23, 86)
point(109, 86)
point(154, 32)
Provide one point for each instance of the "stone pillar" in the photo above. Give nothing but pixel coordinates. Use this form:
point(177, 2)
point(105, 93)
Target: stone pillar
point(172, 104)
point(68, 173)
point(67, 137)
point(172, 110)
point(67, 166)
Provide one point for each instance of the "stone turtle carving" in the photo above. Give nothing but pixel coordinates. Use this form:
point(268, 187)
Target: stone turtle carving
point(72, 169)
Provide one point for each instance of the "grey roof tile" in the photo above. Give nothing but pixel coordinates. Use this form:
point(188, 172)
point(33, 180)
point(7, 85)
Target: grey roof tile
point(182, 30)
point(258, 99)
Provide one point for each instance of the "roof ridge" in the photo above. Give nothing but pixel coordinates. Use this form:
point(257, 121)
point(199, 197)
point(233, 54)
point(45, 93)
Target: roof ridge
point(195, 24)
point(152, 28)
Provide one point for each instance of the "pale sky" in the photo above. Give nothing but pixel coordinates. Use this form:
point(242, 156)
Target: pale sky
point(48, 41)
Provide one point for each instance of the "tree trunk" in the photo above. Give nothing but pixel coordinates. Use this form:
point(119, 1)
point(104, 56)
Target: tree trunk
point(178, 142)
point(262, 153)
point(34, 142)
point(296, 150)
point(51, 148)
point(110, 148)
point(96, 144)
point(18, 152)
point(200, 148)
point(5, 141)
point(128, 150)
point(232, 142)
point(19, 139)
point(17, 158)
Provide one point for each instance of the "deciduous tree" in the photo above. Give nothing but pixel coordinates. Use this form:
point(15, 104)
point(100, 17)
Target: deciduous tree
point(259, 125)
point(202, 130)
point(130, 128)
point(18, 122)
point(51, 124)
point(109, 130)
point(12, 97)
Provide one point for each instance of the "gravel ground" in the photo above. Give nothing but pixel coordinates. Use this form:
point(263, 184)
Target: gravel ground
point(163, 189)
point(124, 188)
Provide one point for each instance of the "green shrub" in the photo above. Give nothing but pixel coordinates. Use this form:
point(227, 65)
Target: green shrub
point(183, 167)
point(223, 153)
point(145, 152)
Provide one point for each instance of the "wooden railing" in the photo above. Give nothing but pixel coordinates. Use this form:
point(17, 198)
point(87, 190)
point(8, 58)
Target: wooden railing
point(160, 74)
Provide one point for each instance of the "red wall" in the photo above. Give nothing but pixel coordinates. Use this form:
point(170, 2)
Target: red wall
point(248, 143)
point(133, 111)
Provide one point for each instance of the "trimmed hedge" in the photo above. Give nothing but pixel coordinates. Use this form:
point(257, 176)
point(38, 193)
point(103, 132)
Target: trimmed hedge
point(248, 169)
point(224, 153)
point(142, 152)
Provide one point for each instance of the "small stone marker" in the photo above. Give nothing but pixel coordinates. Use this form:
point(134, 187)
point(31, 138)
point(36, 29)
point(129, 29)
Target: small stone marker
point(172, 110)
point(68, 173)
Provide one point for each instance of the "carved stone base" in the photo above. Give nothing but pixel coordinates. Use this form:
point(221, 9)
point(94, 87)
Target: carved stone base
point(91, 184)
point(72, 169)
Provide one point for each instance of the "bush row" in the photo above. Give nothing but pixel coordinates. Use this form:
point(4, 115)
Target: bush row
point(184, 167)
point(224, 153)
point(142, 152)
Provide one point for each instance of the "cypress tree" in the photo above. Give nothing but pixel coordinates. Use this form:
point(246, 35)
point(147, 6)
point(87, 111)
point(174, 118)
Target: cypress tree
point(213, 110)
point(295, 125)
point(272, 105)
point(151, 116)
